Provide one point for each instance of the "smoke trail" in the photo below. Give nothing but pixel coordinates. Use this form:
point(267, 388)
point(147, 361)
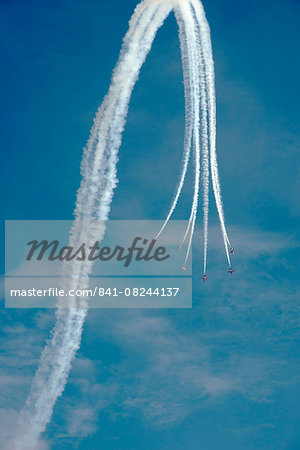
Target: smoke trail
point(193, 65)
point(204, 141)
point(187, 40)
point(188, 33)
point(101, 153)
point(189, 112)
point(206, 79)
point(205, 42)
point(93, 202)
point(99, 178)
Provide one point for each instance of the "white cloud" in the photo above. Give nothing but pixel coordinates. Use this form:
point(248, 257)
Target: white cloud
point(81, 422)
point(20, 350)
point(166, 368)
point(167, 373)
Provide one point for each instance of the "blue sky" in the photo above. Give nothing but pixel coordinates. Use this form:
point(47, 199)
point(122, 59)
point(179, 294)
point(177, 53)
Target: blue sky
point(226, 373)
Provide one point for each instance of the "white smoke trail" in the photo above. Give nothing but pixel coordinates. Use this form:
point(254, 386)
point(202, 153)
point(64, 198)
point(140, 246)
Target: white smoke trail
point(188, 31)
point(208, 106)
point(189, 112)
point(99, 178)
point(193, 65)
point(188, 49)
point(100, 154)
point(204, 141)
point(93, 202)
point(205, 42)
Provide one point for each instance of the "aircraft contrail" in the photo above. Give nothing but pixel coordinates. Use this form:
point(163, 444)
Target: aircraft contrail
point(99, 179)
point(205, 42)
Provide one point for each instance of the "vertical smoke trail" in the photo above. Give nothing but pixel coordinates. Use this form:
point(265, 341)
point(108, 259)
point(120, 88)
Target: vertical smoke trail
point(204, 140)
point(204, 35)
point(190, 30)
point(189, 113)
point(208, 106)
point(188, 49)
point(195, 38)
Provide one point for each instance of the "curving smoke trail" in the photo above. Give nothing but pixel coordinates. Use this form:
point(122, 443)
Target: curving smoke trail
point(99, 179)
point(93, 204)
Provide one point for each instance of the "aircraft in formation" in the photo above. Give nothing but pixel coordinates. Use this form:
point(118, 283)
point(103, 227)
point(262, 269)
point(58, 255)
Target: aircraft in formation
point(204, 277)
